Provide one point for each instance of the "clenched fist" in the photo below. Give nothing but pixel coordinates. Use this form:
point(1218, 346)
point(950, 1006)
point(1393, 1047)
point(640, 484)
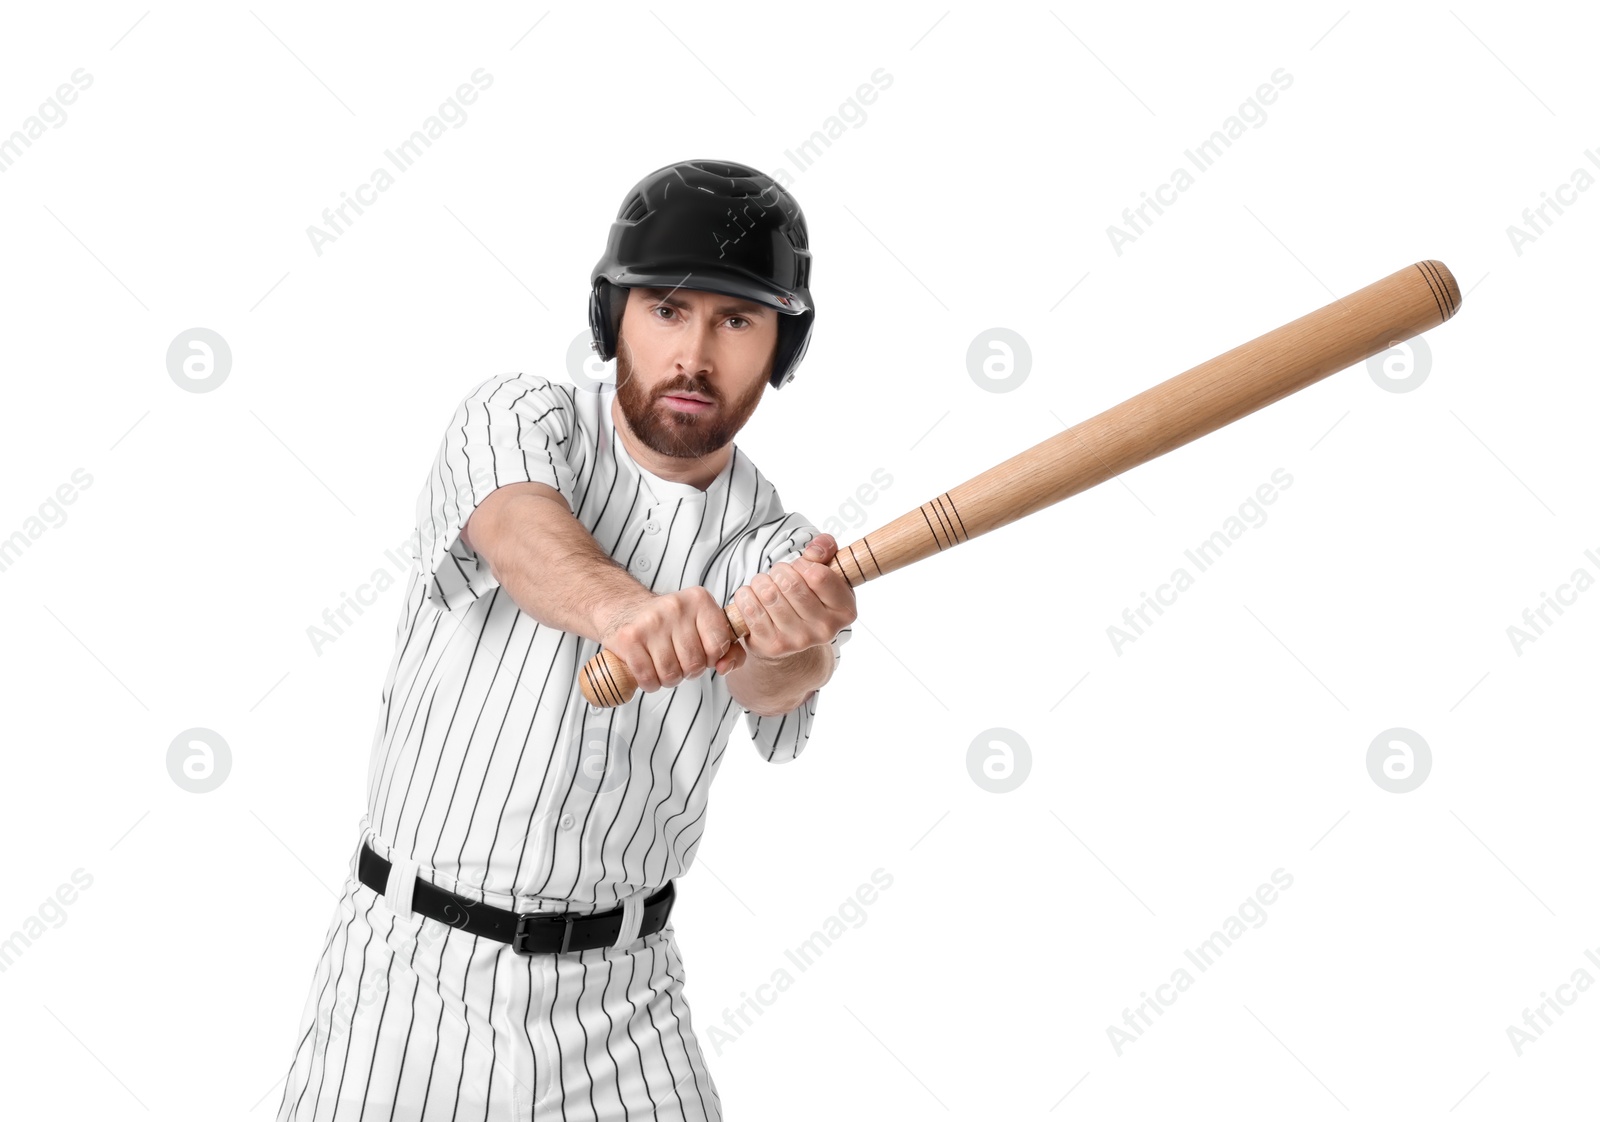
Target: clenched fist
point(797, 604)
point(671, 637)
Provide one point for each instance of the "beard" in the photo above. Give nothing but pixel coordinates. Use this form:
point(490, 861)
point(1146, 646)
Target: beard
point(670, 432)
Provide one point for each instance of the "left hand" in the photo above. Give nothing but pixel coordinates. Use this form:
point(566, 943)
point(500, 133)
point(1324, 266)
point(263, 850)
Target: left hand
point(795, 605)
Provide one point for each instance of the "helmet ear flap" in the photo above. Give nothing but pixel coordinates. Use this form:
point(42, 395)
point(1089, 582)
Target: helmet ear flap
point(794, 335)
point(606, 303)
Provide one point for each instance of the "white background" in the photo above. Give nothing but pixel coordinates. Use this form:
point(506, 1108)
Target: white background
point(1229, 741)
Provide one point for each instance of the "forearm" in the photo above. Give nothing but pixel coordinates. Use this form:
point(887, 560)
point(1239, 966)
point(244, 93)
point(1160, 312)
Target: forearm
point(769, 687)
point(555, 571)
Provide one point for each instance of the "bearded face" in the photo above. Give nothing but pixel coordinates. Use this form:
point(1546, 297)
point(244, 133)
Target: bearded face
point(691, 367)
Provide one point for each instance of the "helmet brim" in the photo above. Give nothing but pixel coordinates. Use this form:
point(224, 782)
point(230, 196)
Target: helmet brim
point(721, 281)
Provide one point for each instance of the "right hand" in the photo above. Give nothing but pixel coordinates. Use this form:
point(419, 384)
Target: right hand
point(673, 636)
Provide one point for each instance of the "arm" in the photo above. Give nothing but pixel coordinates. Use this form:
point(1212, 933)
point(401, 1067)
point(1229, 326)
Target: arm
point(770, 687)
point(551, 566)
point(555, 572)
point(794, 612)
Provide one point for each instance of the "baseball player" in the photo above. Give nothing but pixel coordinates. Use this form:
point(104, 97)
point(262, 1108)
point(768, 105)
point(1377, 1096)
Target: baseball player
point(503, 948)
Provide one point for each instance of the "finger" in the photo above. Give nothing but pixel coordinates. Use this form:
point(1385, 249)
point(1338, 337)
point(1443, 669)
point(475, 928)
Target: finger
point(628, 644)
point(664, 653)
point(799, 581)
point(831, 589)
point(689, 648)
point(821, 548)
point(716, 633)
point(788, 600)
point(732, 660)
point(820, 614)
point(641, 664)
point(756, 620)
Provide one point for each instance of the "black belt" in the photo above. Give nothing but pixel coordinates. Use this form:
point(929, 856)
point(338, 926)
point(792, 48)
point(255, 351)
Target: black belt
point(526, 932)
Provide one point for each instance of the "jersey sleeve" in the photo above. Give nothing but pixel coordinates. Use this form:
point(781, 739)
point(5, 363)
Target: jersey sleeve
point(512, 428)
point(781, 738)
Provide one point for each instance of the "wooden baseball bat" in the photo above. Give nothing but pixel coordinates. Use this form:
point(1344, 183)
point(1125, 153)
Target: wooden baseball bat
point(1164, 417)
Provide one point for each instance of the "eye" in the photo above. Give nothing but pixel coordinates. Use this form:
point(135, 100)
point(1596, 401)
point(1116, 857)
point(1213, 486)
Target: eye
point(741, 319)
point(661, 308)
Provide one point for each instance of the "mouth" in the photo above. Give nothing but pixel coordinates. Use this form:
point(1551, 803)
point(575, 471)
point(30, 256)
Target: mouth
point(687, 403)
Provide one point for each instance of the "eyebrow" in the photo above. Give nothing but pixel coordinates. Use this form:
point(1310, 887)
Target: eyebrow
point(743, 308)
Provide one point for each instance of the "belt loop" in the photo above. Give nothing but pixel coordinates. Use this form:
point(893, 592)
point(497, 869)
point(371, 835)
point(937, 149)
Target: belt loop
point(355, 858)
point(632, 917)
point(402, 883)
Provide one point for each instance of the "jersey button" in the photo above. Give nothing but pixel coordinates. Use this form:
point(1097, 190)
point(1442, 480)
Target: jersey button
point(652, 527)
point(566, 821)
point(641, 563)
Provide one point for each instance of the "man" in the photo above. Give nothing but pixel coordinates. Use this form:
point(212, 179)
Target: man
point(503, 948)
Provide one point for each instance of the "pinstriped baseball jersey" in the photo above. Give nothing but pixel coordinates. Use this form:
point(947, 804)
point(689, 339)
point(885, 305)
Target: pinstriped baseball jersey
point(487, 766)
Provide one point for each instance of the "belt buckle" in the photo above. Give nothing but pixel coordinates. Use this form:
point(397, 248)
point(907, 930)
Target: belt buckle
point(521, 937)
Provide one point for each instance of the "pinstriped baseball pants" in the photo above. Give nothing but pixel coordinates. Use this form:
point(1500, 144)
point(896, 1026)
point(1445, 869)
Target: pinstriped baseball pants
point(411, 1019)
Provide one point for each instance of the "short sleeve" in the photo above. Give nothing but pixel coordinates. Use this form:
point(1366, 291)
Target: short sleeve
point(512, 428)
point(781, 738)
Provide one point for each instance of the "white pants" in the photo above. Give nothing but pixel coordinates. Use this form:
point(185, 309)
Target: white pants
point(411, 1019)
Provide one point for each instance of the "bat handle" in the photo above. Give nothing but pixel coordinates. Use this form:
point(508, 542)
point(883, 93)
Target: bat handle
point(607, 682)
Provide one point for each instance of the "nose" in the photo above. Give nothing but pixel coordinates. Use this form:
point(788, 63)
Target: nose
point(694, 348)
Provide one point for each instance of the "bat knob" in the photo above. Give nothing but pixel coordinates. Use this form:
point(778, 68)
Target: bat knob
point(606, 681)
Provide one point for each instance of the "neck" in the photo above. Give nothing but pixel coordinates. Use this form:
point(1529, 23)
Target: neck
point(699, 472)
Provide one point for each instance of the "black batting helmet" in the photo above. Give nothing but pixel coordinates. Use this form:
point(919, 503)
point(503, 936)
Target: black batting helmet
point(710, 225)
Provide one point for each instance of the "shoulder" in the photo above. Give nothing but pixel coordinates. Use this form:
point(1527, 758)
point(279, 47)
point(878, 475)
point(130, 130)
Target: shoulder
point(507, 389)
point(775, 532)
point(558, 407)
point(749, 490)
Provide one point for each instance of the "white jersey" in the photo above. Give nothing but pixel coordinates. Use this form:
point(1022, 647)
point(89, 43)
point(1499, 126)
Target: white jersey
point(488, 767)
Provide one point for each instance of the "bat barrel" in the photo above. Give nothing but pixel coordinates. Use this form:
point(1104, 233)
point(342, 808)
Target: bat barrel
point(1166, 416)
